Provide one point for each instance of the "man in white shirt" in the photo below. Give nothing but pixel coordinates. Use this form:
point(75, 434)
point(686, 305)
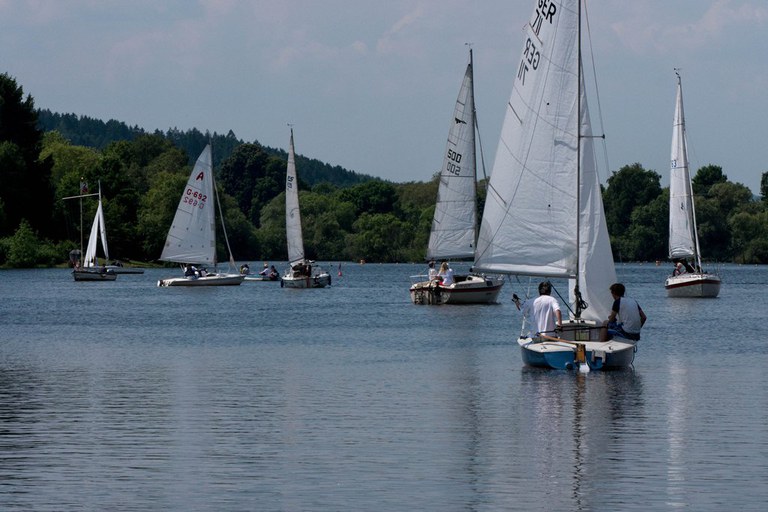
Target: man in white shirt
point(543, 312)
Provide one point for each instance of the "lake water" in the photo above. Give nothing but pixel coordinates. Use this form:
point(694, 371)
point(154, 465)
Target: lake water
point(124, 396)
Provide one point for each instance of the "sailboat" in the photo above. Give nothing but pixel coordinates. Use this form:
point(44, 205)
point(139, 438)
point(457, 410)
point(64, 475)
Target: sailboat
point(87, 269)
point(544, 214)
point(99, 233)
point(192, 237)
point(687, 280)
point(301, 272)
point(454, 225)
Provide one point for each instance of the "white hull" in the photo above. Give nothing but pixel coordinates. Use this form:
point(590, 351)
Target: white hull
point(693, 285)
point(469, 289)
point(316, 281)
point(564, 351)
point(211, 280)
point(94, 274)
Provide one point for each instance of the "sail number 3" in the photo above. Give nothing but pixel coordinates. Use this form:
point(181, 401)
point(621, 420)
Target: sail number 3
point(195, 199)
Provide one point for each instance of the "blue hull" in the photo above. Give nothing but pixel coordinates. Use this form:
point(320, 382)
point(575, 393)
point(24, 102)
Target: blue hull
point(565, 359)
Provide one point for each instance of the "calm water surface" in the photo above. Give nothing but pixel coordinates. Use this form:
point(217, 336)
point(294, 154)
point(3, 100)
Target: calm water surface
point(125, 396)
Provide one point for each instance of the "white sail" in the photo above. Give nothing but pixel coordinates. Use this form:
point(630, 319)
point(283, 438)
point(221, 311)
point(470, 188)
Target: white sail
point(98, 231)
point(292, 214)
point(192, 237)
point(682, 228)
point(544, 214)
point(454, 226)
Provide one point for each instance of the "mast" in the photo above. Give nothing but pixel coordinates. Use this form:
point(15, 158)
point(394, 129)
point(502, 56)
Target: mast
point(474, 146)
point(80, 196)
point(688, 183)
point(576, 290)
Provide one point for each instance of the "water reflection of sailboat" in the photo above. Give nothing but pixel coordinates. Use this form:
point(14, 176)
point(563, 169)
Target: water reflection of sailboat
point(580, 423)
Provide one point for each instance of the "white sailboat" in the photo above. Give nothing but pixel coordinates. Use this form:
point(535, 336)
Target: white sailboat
point(87, 269)
point(688, 279)
point(192, 237)
point(301, 272)
point(454, 225)
point(544, 214)
point(99, 233)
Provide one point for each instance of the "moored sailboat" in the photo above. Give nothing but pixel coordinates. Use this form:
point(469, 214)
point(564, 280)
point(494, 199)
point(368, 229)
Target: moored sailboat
point(301, 272)
point(544, 214)
point(454, 225)
point(192, 237)
point(688, 278)
point(87, 269)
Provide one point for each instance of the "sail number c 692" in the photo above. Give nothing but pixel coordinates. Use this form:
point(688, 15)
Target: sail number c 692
point(195, 199)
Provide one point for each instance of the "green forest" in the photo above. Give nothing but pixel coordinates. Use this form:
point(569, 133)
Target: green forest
point(347, 216)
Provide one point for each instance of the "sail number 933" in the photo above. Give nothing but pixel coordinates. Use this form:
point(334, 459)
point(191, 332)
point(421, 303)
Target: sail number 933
point(452, 165)
point(195, 199)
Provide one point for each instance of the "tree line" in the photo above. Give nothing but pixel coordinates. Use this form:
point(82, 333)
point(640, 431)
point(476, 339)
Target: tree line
point(346, 216)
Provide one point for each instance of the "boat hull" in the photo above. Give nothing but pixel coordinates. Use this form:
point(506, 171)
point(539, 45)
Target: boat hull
point(316, 281)
point(260, 278)
point(694, 285)
point(609, 355)
point(125, 270)
point(210, 280)
point(562, 353)
point(469, 289)
point(93, 275)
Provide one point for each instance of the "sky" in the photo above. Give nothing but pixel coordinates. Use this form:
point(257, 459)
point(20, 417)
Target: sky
point(370, 85)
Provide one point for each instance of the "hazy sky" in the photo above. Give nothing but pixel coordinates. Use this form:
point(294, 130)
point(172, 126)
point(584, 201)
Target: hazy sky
point(370, 85)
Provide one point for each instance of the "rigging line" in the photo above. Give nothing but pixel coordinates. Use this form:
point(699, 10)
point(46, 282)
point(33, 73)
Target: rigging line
point(567, 304)
point(223, 227)
point(597, 90)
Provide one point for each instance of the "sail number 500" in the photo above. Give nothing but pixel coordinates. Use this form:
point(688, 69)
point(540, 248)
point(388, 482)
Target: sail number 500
point(454, 159)
point(195, 199)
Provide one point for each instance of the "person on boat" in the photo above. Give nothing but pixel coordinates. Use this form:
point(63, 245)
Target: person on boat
point(626, 317)
point(432, 272)
point(265, 271)
point(302, 269)
point(679, 269)
point(446, 274)
point(543, 312)
point(189, 270)
point(245, 269)
point(273, 273)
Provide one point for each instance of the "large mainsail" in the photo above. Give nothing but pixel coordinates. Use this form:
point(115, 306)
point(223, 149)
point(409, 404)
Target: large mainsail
point(454, 226)
point(544, 214)
point(98, 230)
point(292, 214)
point(192, 237)
point(683, 242)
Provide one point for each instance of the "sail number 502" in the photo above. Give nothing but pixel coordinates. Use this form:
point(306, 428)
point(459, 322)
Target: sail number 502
point(195, 199)
point(454, 159)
